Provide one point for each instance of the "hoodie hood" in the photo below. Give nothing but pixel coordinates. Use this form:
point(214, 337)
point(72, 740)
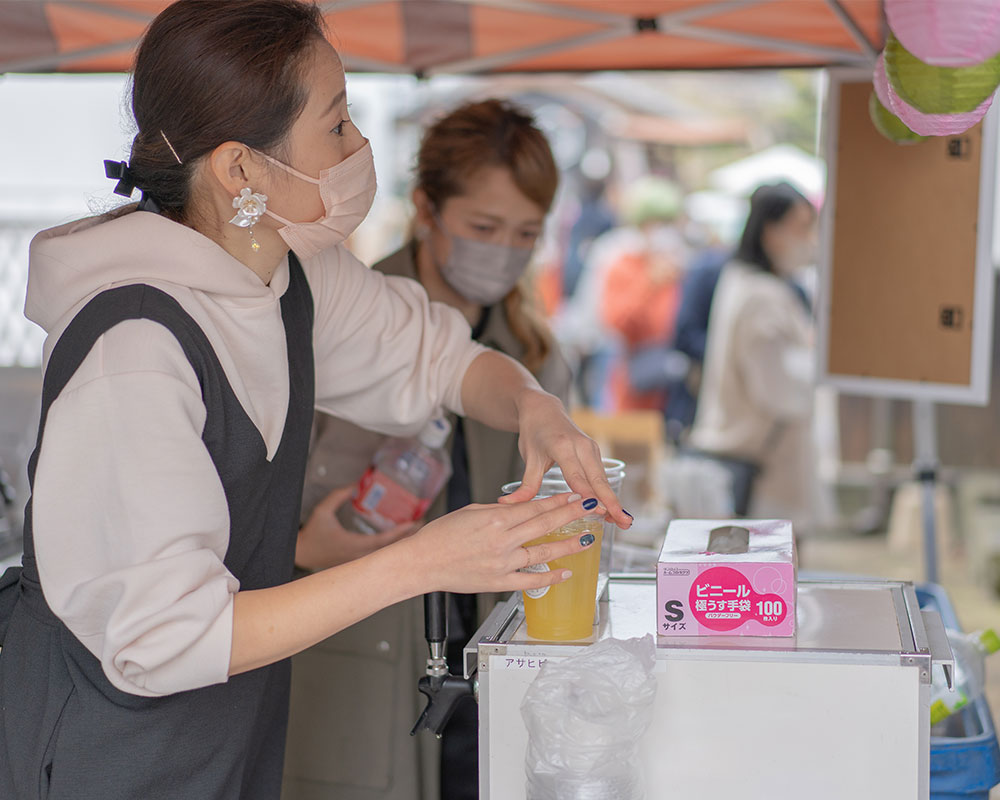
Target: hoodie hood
point(70, 263)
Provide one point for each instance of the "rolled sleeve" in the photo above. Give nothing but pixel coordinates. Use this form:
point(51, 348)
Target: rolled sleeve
point(131, 523)
point(386, 357)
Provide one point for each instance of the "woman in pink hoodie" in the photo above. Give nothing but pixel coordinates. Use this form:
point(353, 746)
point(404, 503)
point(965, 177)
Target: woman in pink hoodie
point(146, 637)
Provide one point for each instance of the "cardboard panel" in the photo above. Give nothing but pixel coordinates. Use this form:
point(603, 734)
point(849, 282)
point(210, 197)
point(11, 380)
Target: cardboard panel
point(903, 251)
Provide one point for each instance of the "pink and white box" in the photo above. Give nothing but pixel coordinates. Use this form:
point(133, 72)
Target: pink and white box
point(726, 578)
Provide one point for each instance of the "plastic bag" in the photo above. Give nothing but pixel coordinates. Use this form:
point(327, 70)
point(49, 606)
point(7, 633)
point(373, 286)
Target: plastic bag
point(696, 487)
point(585, 716)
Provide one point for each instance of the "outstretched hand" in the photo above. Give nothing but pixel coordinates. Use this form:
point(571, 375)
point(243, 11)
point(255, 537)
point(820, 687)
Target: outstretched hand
point(548, 436)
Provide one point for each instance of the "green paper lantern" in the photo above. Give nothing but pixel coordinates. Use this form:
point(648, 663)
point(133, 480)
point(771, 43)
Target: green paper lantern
point(939, 90)
point(889, 125)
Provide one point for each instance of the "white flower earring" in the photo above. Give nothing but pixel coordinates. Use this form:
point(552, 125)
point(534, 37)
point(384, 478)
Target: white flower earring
point(249, 207)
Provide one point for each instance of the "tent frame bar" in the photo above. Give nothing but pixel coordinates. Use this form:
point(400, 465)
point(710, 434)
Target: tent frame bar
point(108, 11)
point(615, 25)
point(767, 43)
point(677, 18)
point(674, 23)
point(46, 62)
point(483, 63)
point(332, 6)
point(852, 26)
point(575, 13)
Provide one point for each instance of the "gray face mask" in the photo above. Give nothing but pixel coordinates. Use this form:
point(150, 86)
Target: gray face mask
point(480, 271)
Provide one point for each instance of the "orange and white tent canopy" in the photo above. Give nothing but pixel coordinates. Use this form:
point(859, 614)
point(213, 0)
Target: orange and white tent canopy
point(426, 37)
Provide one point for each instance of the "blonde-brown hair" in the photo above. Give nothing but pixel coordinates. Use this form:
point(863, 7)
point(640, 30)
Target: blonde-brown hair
point(494, 133)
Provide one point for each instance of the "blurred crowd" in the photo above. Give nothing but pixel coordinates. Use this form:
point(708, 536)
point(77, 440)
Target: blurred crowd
point(654, 311)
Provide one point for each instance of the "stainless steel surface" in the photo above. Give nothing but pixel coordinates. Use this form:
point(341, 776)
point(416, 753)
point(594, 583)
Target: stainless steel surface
point(920, 654)
point(853, 617)
point(494, 628)
point(941, 652)
point(437, 664)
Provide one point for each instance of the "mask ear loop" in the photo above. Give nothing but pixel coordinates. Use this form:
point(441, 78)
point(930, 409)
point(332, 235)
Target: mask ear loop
point(290, 171)
point(429, 240)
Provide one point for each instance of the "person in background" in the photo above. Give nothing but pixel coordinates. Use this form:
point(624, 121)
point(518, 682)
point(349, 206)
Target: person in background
point(485, 179)
point(691, 335)
point(642, 288)
point(595, 218)
point(756, 394)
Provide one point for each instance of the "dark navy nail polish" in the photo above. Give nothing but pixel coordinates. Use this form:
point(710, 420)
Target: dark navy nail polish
point(587, 539)
point(590, 504)
point(627, 514)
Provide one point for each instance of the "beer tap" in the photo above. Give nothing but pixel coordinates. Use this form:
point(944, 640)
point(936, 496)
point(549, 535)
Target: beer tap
point(443, 690)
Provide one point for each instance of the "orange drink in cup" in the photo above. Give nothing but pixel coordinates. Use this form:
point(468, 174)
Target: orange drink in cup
point(565, 612)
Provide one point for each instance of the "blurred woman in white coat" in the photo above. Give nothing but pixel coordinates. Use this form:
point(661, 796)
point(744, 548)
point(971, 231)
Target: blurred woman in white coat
point(756, 399)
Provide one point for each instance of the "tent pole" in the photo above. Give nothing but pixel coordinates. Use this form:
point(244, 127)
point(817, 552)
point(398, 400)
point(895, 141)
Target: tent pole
point(482, 63)
point(50, 61)
point(766, 43)
point(361, 64)
point(333, 6)
point(576, 13)
point(926, 466)
point(108, 11)
point(672, 18)
point(856, 33)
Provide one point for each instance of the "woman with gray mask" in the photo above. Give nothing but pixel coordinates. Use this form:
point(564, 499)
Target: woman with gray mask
point(485, 179)
point(755, 403)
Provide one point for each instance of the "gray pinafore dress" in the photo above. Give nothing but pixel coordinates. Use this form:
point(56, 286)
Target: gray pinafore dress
point(66, 733)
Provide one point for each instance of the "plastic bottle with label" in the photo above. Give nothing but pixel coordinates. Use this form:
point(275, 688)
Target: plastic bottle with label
point(970, 650)
point(404, 478)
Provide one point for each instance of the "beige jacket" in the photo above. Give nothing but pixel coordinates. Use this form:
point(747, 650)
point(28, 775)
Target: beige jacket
point(354, 696)
point(756, 394)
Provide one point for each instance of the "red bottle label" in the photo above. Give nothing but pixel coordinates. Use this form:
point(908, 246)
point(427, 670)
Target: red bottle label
point(386, 503)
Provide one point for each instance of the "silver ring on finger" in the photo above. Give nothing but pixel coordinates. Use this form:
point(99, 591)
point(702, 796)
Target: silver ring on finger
point(527, 557)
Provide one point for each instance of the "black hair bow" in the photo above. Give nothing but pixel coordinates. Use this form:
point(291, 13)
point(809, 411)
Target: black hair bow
point(118, 170)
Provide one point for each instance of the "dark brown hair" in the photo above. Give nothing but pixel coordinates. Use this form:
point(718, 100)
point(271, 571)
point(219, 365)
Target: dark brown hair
point(493, 133)
point(210, 71)
point(768, 203)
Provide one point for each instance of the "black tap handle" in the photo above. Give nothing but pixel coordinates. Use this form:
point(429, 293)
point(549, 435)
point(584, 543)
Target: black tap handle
point(443, 695)
point(436, 617)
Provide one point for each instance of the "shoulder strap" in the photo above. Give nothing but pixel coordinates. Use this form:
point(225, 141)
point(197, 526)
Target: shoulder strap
point(99, 315)
point(103, 312)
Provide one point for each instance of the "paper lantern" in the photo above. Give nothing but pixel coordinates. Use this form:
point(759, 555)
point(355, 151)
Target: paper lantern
point(947, 33)
point(939, 90)
point(917, 121)
point(889, 125)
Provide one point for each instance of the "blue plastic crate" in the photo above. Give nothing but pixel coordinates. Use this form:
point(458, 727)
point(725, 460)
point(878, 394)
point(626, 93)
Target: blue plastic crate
point(965, 763)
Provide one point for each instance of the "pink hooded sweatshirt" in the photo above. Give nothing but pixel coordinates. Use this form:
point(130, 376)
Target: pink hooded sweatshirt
point(131, 523)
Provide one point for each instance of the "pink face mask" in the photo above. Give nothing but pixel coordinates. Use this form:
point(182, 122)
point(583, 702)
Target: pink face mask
point(347, 191)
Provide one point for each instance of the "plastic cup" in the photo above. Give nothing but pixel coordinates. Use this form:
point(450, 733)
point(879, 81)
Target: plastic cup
point(565, 612)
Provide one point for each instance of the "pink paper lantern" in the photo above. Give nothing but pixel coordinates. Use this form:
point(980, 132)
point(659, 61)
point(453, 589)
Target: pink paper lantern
point(918, 121)
point(947, 33)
